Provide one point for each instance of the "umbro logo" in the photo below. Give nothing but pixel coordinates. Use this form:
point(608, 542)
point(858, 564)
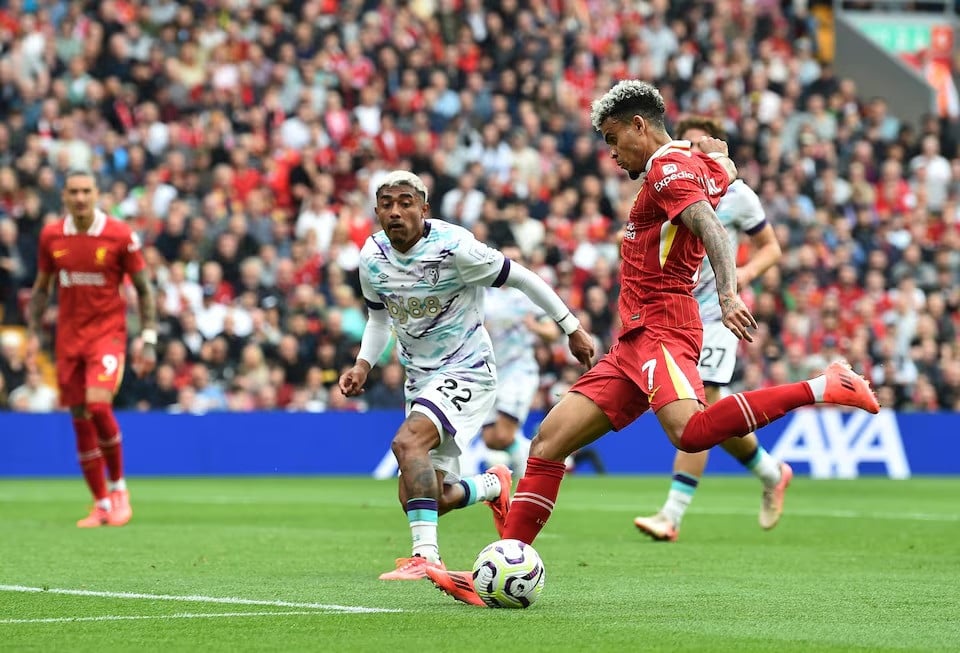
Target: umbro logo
point(383, 277)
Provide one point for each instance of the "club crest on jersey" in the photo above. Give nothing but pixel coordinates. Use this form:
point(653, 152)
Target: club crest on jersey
point(431, 273)
point(100, 255)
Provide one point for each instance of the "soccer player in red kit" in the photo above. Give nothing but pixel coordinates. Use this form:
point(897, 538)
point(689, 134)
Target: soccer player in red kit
point(89, 254)
point(654, 362)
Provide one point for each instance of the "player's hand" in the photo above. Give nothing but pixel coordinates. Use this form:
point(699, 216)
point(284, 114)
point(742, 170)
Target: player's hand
point(530, 322)
point(737, 317)
point(148, 358)
point(744, 278)
point(709, 144)
point(353, 380)
point(581, 346)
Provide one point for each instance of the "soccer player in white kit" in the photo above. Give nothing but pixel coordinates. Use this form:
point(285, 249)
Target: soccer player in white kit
point(740, 211)
point(427, 278)
point(514, 323)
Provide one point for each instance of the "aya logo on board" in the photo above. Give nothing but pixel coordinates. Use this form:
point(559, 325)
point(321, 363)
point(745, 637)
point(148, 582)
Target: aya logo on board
point(835, 447)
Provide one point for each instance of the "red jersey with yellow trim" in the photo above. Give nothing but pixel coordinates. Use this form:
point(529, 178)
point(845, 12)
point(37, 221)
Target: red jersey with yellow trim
point(89, 269)
point(661, 256)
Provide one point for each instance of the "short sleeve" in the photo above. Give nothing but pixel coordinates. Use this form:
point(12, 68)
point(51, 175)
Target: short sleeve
point(44, 256)
point(132, 254)
point(750, 216)
point(370, 296)
point(480, 265)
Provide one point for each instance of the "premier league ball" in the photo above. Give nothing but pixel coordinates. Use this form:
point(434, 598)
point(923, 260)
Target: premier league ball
point(508, 574)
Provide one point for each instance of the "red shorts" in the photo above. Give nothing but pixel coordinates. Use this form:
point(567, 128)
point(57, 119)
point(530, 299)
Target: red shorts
point(645, 369)
point(100, 366)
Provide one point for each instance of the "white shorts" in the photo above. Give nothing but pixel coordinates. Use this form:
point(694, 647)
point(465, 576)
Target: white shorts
point(516, 389)
point(718, 356)
point(457, 402)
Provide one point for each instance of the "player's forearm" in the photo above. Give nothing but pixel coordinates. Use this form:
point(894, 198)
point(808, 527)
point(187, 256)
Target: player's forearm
point(701, 219)
point(729, 166)
point(546, 331)
point(38, 304)
point(542, 295)
point(145, 300)
point(762, 260)
point(376, 337)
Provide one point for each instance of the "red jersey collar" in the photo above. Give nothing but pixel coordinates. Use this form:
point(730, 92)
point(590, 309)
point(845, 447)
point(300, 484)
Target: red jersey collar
point(99, 222)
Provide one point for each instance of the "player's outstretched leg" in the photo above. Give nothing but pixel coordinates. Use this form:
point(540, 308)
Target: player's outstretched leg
point(745, 412)
point(110, 440)
point(573, 423)
point(774, 474)
point(91, 463)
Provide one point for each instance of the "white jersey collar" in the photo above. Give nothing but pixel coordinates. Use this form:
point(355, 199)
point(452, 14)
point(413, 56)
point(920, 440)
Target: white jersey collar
point(672, 145)
point(99, 222)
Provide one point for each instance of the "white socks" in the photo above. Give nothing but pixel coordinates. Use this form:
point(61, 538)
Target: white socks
point(818, 386)
point(677, 504)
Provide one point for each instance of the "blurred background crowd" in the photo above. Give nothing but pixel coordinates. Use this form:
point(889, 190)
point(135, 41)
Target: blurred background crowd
point(242, 138)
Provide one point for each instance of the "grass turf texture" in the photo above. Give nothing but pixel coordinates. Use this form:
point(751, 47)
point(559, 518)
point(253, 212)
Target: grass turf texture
point(863, 565)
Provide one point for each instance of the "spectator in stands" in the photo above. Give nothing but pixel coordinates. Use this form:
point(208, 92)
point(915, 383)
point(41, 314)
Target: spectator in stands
point(242, 146)
point(388, 391)
point(34, 396)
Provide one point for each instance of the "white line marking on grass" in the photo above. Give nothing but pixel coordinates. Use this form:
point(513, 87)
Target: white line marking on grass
point(176, 615)
point(830, 514)
point(230, 600)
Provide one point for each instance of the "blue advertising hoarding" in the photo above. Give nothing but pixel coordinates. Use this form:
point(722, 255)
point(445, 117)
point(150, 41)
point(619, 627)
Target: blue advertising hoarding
point(822, 443)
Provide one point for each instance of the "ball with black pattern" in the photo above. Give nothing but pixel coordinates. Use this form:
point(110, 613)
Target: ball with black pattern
point(508, 574)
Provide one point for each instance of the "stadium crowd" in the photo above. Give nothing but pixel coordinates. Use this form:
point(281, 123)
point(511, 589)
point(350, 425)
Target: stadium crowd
point(241, 139)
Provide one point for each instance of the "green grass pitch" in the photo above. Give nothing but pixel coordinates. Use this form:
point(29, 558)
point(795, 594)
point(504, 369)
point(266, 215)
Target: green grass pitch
point(291, 564)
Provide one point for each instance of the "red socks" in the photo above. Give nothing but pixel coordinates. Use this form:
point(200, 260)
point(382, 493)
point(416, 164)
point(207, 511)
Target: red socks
point(534, 499)
point(91, 460)
point(109, 436)
point(742, 413)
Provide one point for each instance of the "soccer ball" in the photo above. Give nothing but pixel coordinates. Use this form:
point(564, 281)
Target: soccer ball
point(508, 574)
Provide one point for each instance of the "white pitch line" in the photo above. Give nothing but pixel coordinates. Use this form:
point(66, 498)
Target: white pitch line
point(826, 514)
point(230, 600)
point(177, 615)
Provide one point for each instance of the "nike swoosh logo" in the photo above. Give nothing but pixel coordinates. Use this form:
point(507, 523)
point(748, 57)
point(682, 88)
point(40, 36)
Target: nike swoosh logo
point(57, 253)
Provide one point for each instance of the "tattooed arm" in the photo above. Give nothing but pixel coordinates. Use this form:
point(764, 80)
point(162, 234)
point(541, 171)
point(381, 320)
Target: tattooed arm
point(145, 300)
point(148, 314)
point(701, 219)
point(39, 298)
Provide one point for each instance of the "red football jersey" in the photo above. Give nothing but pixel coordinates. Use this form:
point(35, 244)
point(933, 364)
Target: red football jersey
point(89, 269)
point(661, 257)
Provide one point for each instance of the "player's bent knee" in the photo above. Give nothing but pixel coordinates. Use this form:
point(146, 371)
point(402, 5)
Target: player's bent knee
point(416, 437)
point(549, 446)
point(79, 412)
